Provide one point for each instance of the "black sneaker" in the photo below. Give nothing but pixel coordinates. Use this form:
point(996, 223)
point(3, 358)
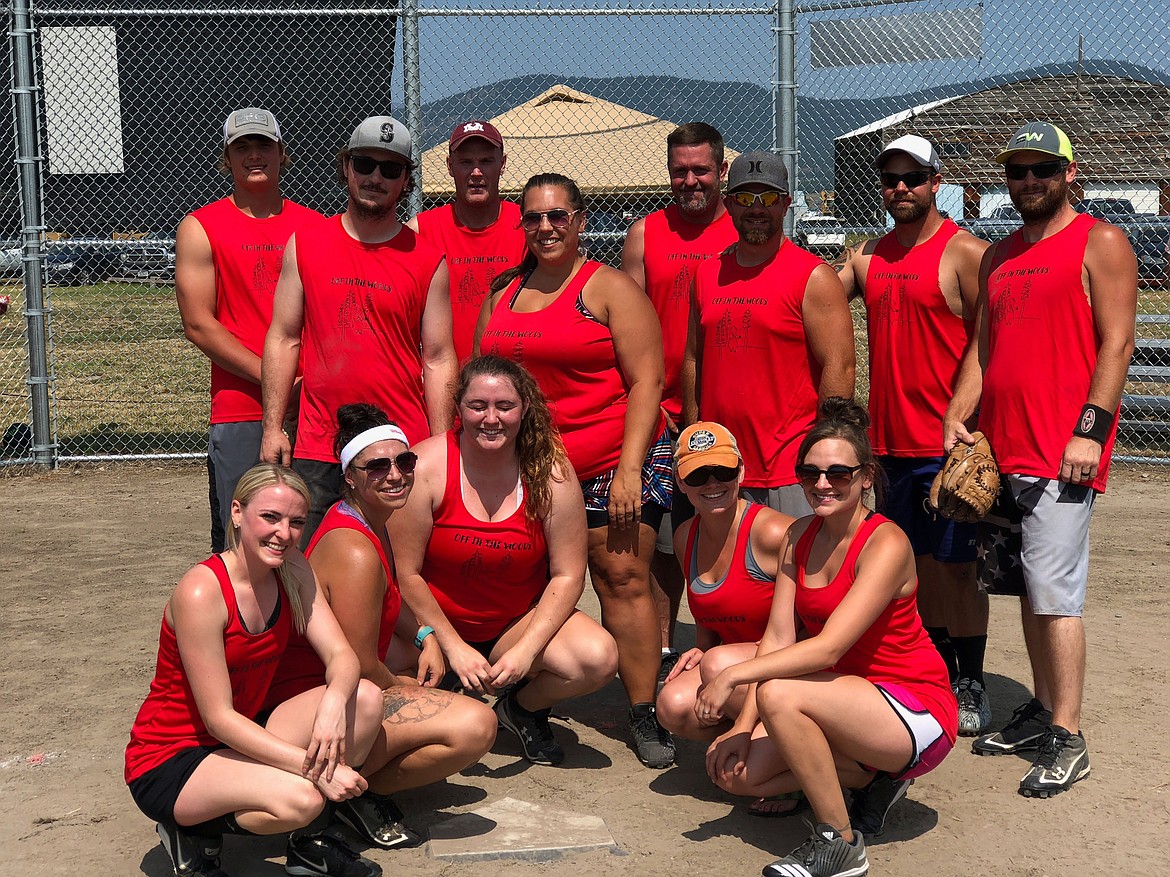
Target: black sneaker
point(652, 742)
point(1063, 759)
point(536, 737)
point(191, 855)
point(1022, 733)
point(871, 805)
point(325, 855)
point(974, 707)
point(824, 854)
point(376, 819)
point(669, 659)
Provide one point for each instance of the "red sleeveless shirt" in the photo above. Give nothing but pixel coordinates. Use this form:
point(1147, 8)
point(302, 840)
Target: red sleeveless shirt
point(673, 250)
point(168, 721)
point(895, 648)
point(915, 345)
point(475, 256)
point(757, 375)
point(247, 253)
point(484, 574)
point(362, 330)
point(1041, 354)
point(301, 668)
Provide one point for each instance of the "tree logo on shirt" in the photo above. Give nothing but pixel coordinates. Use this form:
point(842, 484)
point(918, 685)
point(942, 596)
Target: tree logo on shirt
point(351, 317)
point(471, 289)
point(682, 285)
point(263, 279)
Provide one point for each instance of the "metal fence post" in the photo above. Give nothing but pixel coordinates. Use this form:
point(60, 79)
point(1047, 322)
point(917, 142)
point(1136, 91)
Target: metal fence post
point(28, 162)
point(412, 90)
point(784, 95)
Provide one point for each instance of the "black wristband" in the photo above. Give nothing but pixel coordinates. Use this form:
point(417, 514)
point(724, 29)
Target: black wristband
point(1095, 423)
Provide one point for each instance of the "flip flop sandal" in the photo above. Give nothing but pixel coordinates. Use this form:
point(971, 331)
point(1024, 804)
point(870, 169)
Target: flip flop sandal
point(756, 808)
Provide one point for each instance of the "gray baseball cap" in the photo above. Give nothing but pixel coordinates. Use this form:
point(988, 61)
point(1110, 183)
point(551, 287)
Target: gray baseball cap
point(250, 120)
point(918, 148)
point(382, 132)
point(1039, 137)
point(758, 166)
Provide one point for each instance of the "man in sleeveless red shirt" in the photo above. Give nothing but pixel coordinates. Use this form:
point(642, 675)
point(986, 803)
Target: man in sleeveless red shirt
point(479, 233)
point(661, 253)
point(920, 284)
point(1056, 314)
point(363, 301)
point(227, 259)
point(769, 333)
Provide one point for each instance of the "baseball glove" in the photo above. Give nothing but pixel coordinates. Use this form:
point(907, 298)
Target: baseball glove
point(968, 482)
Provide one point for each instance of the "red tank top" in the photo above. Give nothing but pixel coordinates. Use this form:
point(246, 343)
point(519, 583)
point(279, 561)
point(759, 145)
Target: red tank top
point(474, 257)
point(168, 721)
point(573, 360)
point(1042, 352)
point(915, 345)
point(895, 648)
point(484, 575)
point(757, 376)
point(736, 609)
point(674, 248)
point(301, 668)
point(363, 331)
point(247, 253)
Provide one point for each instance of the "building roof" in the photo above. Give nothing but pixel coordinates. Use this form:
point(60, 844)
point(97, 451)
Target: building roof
point(605, 147)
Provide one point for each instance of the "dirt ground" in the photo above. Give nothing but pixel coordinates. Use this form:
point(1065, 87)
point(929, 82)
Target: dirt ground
point(88, 558)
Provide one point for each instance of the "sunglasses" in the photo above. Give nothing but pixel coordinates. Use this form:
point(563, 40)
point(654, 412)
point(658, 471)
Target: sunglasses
point(748, 199)
point(365, 165)
point(558, 218)
point(913, 179)
point(720, 473)
point(1041, 170)
point(837, 474)
point(379, 467)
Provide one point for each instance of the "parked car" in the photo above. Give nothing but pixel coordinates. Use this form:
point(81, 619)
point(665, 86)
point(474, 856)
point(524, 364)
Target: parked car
point(999, 223)
point(820, 234)
point(10, 263)
point(81, 262)
point(152, 256)
point(1119, 211)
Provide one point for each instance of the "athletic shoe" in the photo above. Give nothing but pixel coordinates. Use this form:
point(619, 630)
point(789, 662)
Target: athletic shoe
point(669, 659)
point(871, 805)
point(1022, 733)
point(324, 855)
point(536, 737)
point(1063, 759)
point(652, 742)
point(191, 855)
point(376, 819)
point(974, 707)
point(824, 854)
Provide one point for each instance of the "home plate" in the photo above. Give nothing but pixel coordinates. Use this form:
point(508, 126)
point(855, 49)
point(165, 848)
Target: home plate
point(511, 829)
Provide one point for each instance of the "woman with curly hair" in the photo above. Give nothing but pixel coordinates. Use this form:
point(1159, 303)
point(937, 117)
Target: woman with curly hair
point(490, 552)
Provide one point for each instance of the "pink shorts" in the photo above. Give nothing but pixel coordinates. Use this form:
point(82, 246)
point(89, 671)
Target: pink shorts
point(926, 734)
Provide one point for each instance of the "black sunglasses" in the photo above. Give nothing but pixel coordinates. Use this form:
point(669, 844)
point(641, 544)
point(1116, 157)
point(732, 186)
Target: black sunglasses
point(837, 474)
point(365, 165)
point(913, 179)
point(1041, 170)
point(557, 218)
point(379, 467)
point(701, 475)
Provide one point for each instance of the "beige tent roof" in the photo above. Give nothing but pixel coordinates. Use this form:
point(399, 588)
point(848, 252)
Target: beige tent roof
point(605, 147)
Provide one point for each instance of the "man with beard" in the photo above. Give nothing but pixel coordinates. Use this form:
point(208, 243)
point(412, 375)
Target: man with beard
point(479, 233)
point(770, 333)
point(227, 259)
point(661, 253)
point(920, 284)
point(1056, 314)
point(367, 298)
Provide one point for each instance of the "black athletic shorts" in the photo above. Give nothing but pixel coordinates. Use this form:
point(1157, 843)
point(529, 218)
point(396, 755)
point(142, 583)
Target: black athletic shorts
point(157, 790)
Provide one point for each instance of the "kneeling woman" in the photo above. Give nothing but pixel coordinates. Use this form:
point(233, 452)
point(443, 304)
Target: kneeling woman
point(865, 701)
point(426, 734)
point(729, 553)
point(198, 762)
point(491, 554)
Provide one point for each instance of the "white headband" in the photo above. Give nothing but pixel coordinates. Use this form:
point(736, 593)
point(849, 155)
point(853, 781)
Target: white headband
point(363, 440)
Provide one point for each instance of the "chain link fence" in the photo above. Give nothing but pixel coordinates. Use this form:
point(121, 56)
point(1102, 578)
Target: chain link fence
point(128, 102)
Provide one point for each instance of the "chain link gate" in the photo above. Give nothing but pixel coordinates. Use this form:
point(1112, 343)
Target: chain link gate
point(129, 103)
